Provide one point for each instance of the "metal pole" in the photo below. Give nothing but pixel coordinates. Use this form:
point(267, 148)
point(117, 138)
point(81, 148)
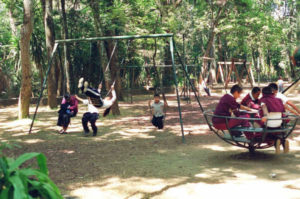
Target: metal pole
point(176, 85)
point(116, 38)
point(44, 84)
point(192, 86)
point(186, 84)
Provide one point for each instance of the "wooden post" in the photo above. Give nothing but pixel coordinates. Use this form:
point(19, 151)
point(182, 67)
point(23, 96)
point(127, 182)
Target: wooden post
point(222, 74)
point(228, 75)
point(237, 73)
point(218, 73)
point(248, 73)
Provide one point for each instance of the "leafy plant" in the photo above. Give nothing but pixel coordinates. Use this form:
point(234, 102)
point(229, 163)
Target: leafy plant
point(26, 183)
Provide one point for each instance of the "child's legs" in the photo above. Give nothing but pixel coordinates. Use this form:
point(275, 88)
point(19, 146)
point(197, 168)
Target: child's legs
point(93, 119)
point(160, 123)
point(92, 92)
point(236, 122)
point(85, 119)
point(154, 121)
point(66, 121)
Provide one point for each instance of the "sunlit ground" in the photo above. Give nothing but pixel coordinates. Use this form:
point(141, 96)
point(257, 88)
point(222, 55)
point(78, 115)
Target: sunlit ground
point(130, 159)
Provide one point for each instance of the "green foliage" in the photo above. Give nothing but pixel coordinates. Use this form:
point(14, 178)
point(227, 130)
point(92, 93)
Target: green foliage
point(17, 181)
point(245, 29)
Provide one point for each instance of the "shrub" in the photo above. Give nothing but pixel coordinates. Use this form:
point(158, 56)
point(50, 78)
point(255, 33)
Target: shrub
point(26, 183)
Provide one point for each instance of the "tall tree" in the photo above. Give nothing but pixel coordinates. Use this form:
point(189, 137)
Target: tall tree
point(50, 38)
point(67, 58)
point(26, 31)
point(109, 46)
point(99, 32)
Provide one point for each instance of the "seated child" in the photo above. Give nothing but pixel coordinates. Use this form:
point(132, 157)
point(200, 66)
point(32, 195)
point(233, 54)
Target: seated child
point(91, 92)
point(251, 100)
point(226, 106)
point(157, 112)
point(68, 109)
point(273, 104)
point(288, 104)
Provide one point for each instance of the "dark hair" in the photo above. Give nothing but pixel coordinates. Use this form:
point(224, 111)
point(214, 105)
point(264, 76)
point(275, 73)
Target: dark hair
point(255, 90)
point(106, 112)
point(156, 95)
point(267, 90)
point(236, 88)
point(67, 96)
point(273, 86)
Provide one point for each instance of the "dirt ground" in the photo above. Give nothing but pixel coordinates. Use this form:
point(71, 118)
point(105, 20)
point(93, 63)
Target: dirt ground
point(130, 159)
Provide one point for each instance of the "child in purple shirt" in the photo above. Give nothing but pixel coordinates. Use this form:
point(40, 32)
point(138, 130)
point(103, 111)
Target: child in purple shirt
point(68, 109)
point(226, 106)
point(251, 100)
point(274, 104)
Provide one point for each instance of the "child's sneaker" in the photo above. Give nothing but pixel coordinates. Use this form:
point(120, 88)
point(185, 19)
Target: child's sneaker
point(80, 82)
point(86, 133)
point(286, 146)
point(94, 133)
point(277, 146)
point(85, 85)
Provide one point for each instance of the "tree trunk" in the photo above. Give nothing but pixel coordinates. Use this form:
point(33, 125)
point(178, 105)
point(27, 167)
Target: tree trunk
point(37, 55)
point(99, 32)
point(26, 31)
point(12, 21)
point(50, 37)
point(67, 59)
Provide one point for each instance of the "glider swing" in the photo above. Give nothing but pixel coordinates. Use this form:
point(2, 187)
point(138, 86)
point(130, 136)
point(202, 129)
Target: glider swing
point(282, 126)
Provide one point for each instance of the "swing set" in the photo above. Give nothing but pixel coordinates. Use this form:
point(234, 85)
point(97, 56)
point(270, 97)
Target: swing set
point(115, 38)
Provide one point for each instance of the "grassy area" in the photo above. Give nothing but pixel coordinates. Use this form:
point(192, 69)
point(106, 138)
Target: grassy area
point(131, 159)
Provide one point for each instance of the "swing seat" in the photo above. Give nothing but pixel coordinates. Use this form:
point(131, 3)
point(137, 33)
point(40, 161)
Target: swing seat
point(283, 131)
point(97, 102)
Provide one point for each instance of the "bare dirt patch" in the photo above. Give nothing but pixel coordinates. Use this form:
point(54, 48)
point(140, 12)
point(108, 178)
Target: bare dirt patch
point(130, 159)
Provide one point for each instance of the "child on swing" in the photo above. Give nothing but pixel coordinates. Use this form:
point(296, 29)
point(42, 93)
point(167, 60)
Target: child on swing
point(92, 113)
point(228, 105)
point(91, 92)
point(157, 111)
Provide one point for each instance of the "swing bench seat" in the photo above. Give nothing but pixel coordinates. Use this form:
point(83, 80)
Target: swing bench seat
point(282, 132)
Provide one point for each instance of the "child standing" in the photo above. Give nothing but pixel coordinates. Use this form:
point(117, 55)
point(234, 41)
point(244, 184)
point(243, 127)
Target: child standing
point(157, 110)
point(280, 84)
point(91, 116)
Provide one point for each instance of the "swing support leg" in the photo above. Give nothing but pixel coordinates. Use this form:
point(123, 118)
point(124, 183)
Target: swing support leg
point(176, 85)
point(44, 85)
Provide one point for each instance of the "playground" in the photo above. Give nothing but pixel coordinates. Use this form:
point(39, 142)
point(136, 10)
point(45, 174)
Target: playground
point(149, 99)
point(131, 159)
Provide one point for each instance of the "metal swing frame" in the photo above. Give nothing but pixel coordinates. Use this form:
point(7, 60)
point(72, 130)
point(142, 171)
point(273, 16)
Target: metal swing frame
point(116, 38)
